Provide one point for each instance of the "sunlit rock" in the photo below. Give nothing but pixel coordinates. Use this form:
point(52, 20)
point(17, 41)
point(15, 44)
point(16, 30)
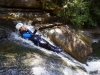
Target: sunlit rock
point(64, 37)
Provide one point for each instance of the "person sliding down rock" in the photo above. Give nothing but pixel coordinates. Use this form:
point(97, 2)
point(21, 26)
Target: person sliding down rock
point(36, 39)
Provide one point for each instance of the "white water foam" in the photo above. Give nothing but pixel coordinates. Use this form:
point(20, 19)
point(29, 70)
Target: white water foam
point(95, 40)
point(93, 66)
point(68, 71)
point(39, 70)
point(15, 36)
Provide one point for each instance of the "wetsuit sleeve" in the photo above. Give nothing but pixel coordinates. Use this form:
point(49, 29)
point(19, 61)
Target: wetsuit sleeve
point(34, 32)
point(29, 31)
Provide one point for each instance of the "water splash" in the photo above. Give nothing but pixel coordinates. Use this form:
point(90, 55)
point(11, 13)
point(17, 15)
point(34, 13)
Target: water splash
point(93, 67)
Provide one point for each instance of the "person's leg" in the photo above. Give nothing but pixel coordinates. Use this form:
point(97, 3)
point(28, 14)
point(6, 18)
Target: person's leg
point(35, 40)
point(55, 48)
point(45, 44)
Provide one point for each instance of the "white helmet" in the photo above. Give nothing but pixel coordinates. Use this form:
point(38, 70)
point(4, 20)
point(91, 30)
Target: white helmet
point(19, 25)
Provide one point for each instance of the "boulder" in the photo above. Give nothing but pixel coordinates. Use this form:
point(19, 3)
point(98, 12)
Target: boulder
point(64, 36)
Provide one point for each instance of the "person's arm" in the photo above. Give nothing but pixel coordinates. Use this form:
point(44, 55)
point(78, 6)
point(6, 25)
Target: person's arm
point(36, 29)
point(29, 31)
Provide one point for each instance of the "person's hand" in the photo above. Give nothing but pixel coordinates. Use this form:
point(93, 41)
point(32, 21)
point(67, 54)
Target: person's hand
point(37, 28)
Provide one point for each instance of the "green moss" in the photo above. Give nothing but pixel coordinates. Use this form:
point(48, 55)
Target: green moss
point(85, 39)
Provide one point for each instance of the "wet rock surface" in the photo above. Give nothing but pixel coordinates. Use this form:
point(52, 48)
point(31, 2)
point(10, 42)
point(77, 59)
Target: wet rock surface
point(64, 37)
point(14, 71)
point(4, 34)
point(16, 58)
point(21, 3)
point(53, 6)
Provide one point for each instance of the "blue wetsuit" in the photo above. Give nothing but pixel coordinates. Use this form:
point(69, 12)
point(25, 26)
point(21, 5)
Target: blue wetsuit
point(37, 40)
point(27, 34)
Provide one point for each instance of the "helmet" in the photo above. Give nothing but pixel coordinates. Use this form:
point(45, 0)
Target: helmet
point(19, 25)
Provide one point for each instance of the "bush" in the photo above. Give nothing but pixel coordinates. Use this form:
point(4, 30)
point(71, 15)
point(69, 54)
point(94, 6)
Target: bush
point(78, 13)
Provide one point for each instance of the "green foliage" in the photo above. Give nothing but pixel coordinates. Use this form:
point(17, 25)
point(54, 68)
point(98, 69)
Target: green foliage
point(79, 13)
point(95, 10)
